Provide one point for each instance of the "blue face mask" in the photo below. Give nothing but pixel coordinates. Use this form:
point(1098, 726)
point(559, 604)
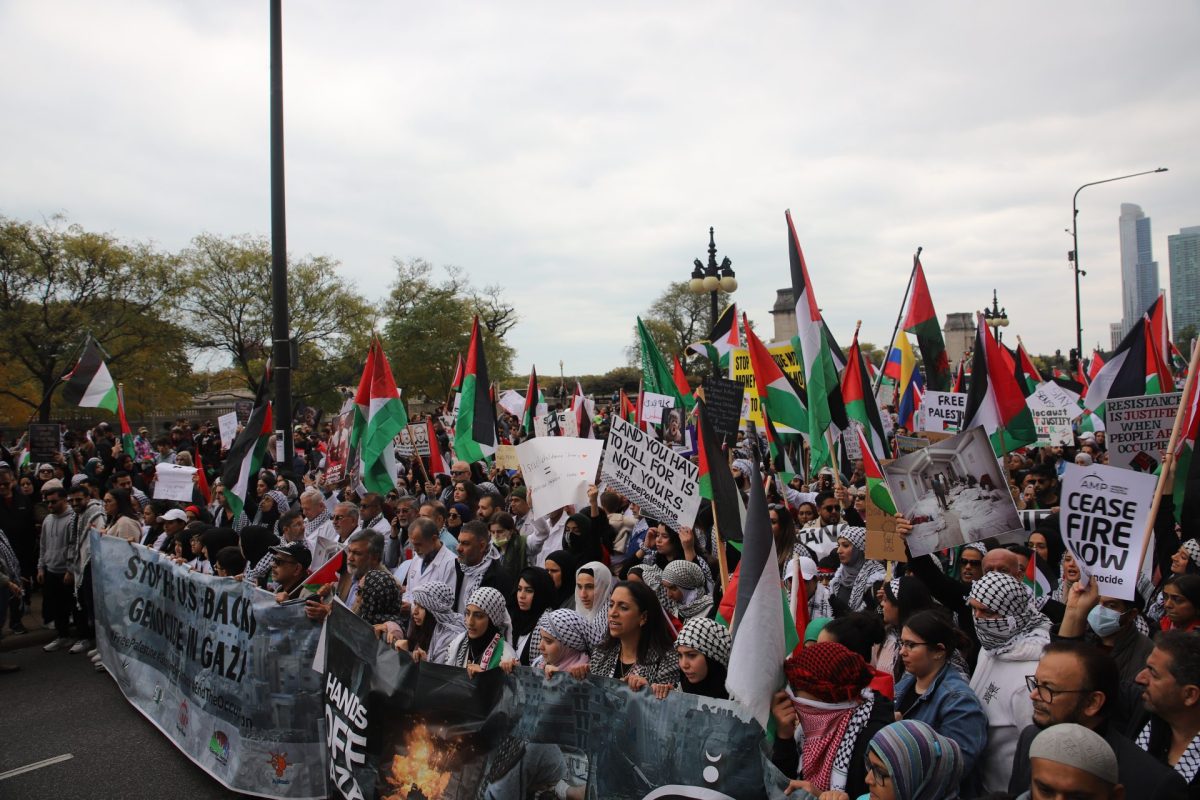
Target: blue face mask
point(1104, 621)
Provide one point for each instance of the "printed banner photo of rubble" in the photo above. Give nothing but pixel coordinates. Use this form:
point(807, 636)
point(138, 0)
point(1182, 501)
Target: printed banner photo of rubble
point(1054, 409)
point(402, 730)
point(953, 492)
point(1138, 429)
point(650, 474)
point(1103, 524)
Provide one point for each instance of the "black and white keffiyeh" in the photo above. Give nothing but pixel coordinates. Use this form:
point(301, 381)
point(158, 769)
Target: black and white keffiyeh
point(689, 578)
point(492, 603)
point(707, 637)
point(438, 599)
point(1188, 764)
point(841, 759)
point(855, 535)
point(567, 627)
point(1003, 594)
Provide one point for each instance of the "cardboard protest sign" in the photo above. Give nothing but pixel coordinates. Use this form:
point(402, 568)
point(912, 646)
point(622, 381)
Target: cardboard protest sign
point(953, 492)
point(1138, 429)
point(1103, 523)
point(173, 482)
point(723, 403)
point(44, 441)
point(740, 370)
point(512, 401)
point(558, 470)
point(227, 424)
point(506, 457)
point(653, 405)
point(850, 443)
point(1054, 409)
point(883, 543)
point(337, 459)
point(651, 474)
point(943, 412)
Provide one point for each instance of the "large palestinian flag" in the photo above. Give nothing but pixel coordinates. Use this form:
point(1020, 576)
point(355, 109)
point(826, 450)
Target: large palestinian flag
point(475, 433)
point(1136, 368)
point(922, 320)
point(245, 458)
point(776, 392)
point(721, 341)
point(994, 400)
point(90, 385)
point(860, 400)
point(379, 417)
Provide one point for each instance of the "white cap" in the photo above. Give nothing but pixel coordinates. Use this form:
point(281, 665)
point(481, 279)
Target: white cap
point(175, 514)
point(808, 569)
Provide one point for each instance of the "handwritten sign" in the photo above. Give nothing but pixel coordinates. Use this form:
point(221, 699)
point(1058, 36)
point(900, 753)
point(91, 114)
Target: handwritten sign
point(227, 425)
point(506, 457)
point(558, 470)
point(650, 473)
point(173, 482)
point(1139, 429)
point(653, 405)
point(1054, 409)
point(943, 411)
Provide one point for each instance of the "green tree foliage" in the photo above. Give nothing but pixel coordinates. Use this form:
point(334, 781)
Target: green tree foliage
point(428, 325)
point(59, 282)
point(1183, 339)
point(675, 320)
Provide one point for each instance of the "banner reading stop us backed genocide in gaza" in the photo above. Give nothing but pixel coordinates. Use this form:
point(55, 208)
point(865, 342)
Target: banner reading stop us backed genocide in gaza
point(218, 666)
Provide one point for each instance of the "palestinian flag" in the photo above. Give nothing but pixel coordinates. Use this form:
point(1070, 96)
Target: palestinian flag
point(994, 401)
point(627, 411)
point(960, 377)
point(245, 458)
point(679, 377)
point(583, 409)
point(860, 400)
point(716, 480)
point(1179, 364)
point(202, 479)
point(533, 396)
point(1035, 580)
point(1187, 465)
point(835, 352)
point(1081, 377)
point(920, 319)
point(779, 461)
point(126, 433)
point(1028, 377)
point(1097, 363)
point(438, 464)
point(379, 417)
point(816, 360)
point(776, 391)
point(90, 385)
point(657, 377)
point(327, 573)
point(1133, 370)
point(877, 488)
point(456, 381)
point(759, 640)
point(475, 433)
point(721, 342)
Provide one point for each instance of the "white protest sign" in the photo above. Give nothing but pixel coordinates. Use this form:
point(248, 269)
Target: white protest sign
point(1054, 409)
point(653, 405)
point(513, 402)
point(558, 470)
point(1138, 429)
point(651, 474)
point(545, 425)
point(821, 540)
point(279, 447)
point(173, 482)
point(850, 443)
point(942, 412)
point(227, 425)
point(567, 423)
point(1103, 523)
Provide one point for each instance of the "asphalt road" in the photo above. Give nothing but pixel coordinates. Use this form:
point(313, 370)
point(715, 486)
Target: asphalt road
point(58, 705)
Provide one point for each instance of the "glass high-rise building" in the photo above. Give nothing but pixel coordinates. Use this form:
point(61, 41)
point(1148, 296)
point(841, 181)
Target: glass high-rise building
point(1183, 254)
point(1139, 270)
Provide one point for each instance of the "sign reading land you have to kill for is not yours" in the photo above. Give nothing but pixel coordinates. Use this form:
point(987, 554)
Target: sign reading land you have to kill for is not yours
point(651, 474)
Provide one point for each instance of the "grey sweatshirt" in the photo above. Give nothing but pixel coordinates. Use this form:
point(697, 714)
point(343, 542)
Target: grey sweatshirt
point(52, 552)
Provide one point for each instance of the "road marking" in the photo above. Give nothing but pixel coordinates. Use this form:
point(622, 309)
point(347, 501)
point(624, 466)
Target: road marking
point(12, 773)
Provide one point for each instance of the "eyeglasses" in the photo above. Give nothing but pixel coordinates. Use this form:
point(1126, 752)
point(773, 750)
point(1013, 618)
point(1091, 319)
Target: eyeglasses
point(907, 645)
point(1045, 693)
point(285, 561)
point(460, 472)
point(881, 775)
point(1037, 545)
point(972, 562)
point(453, 514)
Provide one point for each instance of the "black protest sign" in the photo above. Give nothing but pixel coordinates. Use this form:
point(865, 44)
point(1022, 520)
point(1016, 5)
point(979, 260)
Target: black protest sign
point(723, 400)
point(44, 441)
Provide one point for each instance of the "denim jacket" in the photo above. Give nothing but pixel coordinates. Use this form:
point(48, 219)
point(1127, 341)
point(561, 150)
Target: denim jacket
point(952, 709)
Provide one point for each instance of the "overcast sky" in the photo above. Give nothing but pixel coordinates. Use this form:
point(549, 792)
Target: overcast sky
point(577, 155)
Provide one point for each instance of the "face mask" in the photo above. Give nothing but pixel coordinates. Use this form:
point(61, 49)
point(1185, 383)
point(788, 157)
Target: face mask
point(993, 633)
point(1104, 621)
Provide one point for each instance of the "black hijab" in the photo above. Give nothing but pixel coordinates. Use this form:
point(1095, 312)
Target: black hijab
point(566, 562)
point(523, 622)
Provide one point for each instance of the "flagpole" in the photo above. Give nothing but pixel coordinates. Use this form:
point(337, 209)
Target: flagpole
point(899, 317)
point(1168, 462)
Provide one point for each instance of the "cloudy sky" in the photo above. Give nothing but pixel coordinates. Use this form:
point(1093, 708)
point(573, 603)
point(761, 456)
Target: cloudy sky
point(578, 155)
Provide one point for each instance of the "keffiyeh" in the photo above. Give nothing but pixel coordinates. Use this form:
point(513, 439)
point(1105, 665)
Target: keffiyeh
point(1002, 594)
point(689, 578)
point(707, 637)
point(1188, 764)
point(438, 599)
point(492, 603)
point(571, 631)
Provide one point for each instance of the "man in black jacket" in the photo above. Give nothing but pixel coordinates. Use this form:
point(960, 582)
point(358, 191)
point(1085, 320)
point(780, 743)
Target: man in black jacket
point(479, 564)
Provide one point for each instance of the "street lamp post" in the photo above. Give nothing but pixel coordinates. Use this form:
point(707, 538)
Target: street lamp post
point(995, 317)
point(1073, 256)
point(713, 278)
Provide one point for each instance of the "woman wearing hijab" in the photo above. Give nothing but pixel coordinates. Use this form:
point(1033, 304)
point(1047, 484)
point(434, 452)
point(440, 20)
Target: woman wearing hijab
point(213, 541)
point(581, 541)
point(256, 542)
point(828, 700)
point(686, 597)
point(533, 597)
point(703, 647)
point(271, 506)
point(434, 624)
point(561, 566)
point(593, 587)
point(1012, 635)
point(638, 648)
point(563, 637)
point(851, 584)
point(484, 643)
point(908, 760)
point(456, 515)
point(1185, 562)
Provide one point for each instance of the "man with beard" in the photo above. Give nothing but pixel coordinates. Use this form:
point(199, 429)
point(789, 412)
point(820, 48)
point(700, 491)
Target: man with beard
point(1076, 682)
point(367, 587)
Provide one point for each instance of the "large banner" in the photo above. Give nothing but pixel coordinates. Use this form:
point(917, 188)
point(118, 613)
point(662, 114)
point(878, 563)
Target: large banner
point(651, 474)
point(218, 666)
point(399, 729)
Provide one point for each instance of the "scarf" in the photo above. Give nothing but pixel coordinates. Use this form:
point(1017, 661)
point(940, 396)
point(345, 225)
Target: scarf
point(438, 601)
point(525, 622)
point(1002, 594)
point(924, 764)
point(1188, 764)
point(485, 651)
point(830, 731)
point(311, 525)
point(566, 563)
point(571, 631)
point(858, 575)
point(597, 616)
point(473, 576)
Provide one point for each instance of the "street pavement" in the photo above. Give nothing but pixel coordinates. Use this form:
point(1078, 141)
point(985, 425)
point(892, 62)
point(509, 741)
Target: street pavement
point(58, 705)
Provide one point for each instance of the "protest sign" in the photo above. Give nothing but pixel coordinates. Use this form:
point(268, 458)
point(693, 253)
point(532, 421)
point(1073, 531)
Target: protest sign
point(1054, 409)
point(545, 425)
point(437, 733)
point(883, 543)
point(220, 668)
point(243, 409)
point(740, 370)
point(227, 424)
point(173, 482)
point(337, 460)
point(506, 457)
point(821, 539)
point(568, 423)
point(651, 474)
point(942, 412)
point(279, 442)
point(44, 442)
point(513, 402)
point(414, 436)
point(910, 444)
point(558, 470)
point(1138, 429)
point(850, 444)
point(723, 403)
point(1103, 523)
point(653, 405)
point(952, 492)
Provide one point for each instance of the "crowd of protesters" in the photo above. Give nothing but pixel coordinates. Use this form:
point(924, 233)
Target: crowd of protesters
point(941, 677)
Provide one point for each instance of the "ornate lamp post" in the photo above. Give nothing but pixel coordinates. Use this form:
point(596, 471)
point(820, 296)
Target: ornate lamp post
point(713, 278)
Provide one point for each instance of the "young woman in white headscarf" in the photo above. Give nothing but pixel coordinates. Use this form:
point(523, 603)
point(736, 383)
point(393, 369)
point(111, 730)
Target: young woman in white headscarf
point(593, 587)
point(563, 638)
point(484, 643)
point(855, 576)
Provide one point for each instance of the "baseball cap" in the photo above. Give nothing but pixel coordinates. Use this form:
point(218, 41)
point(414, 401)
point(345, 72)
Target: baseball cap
point(52, 485)
point(45, 467)
point(175, 514)
point(519, 492)
point(294, 550)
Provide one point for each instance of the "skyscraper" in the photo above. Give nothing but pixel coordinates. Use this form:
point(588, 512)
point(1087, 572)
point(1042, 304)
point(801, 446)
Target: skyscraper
point(1183, 254)
point(1139, 270)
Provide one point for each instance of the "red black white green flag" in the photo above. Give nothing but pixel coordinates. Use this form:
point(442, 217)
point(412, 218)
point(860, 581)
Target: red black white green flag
point(995, 401)
point(922, 320)
point(475, 433)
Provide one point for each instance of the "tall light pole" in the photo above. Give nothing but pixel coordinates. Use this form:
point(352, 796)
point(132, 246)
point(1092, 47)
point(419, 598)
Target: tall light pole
point(281, 346)
point(1073, 256)
point(713, 278)
point(995, 318)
